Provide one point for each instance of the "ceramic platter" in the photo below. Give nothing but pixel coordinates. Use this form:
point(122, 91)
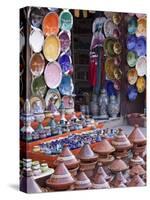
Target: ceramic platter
point(141, 66)
point(66, 20)
point(141, 84)
point(50, 24)
point(53, 74)
point(140, 47)
point(141, 28)
point(109, 46)
point(109, 68)
point(51, 48)
point(36, 40)
point(132, 25)
point(131, 42)
point(132, 76)
point(35, 16)
point(65, 62)
point(56, 95)
point(66, 87)
point(109, 28)
point(37, 104)
point(132, 93)
point(131, 58)
point(38, 86)
point(65, 40)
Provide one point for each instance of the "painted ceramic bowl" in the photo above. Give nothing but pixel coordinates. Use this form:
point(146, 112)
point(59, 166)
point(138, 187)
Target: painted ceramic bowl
point(37, 64)
point(66, 86)
point(141, 28)
point(141, 65)
point(35, 17)
point(109, 68)
point(50, 24)
point(109, 46)
point(132, 25)
point(53, 74)
point(132, 93)
point(56, 96)
point(65, 20)
point(51, 48)
point(37, 104)
point(36, 40)
point(132, 76)
point(109, 27)
point(65, 40)
point(38, 86)
point(116, 18)
point(141, 84)
point(131, 42)
point(65, 62)
point(117, 48)
point(131, 58)
point(97, 40)
point(140, 47)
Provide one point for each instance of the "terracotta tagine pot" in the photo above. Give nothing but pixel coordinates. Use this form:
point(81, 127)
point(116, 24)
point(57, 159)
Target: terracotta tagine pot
point(86, 154)
point(137, 169)
point(61, 179)
point(68, 158)
point(136, 160)
point(99, 169)
point(27, 182)
point(119, 180)
point(82, 181)
point(138, 140)
point(136, 181)
point(99, 182)
point(88, 168)
point(118, 165)
point(121, 144)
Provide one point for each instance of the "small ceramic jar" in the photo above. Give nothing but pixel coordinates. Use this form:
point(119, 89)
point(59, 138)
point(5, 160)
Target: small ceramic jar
point(36, 168)
point(27, 163)
point(44, 167)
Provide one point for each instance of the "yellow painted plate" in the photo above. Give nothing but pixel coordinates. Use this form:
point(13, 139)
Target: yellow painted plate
point(141, 84)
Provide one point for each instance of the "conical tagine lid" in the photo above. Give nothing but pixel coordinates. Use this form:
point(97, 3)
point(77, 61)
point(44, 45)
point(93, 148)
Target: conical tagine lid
point(68, 158)
point(137, 136)
point(86, 153)
point(118, 165)
point(61, 179)
point(136, 160)
point(99, 182)
point(119, 180)
point(103, 147)
point(136, 181)
point(82, 181)
point(137, 169)
point(100, 170)
point(120, 141)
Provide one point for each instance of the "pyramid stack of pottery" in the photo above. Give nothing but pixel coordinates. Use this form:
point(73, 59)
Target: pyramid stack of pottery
point(27, 182)
point(138, 140)
point(88, 159)
point(121, 144)
point(82, 181)
point(119, 180)
point(69, 160)
point(136, 181)
point(61, 179)
point(104, 150)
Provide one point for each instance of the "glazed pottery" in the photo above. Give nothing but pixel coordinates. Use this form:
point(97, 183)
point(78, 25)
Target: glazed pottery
point(65, 40)
point(141, 27)
point(53, 75)
point(65, 62)
point(141, 84)
point(51, 48)
point(37, 104)
point(118, 165)
point(103, 103)
point(38, 86)
point(117, 73)
point(117, 47)
point(141, 65)
point(109, 68)
point(131, 58)
point(109, 27)
point(65, 20)
point(37, 64)
point(50, 24)
point(66, 86)
point(68, 104)
point(82, 181)
point(61, 179)
point(140, 47)
point(53, 93)
point(35, 17)
point(110, 87)
point(52, 107)
point(116, 18)
point(109, 46)
point(131, 42)
point(113, 107)
point(36, 40)
point(132, 76)
point(136, 181)
point(94, 105)
point(132, 92)
point(132, 25)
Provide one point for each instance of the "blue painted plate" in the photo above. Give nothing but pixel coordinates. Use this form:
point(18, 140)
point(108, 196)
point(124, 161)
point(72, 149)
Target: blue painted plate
point(140, 47)
point(66, 86)
point(65, 62)
point(131, 42)
point(132, 92)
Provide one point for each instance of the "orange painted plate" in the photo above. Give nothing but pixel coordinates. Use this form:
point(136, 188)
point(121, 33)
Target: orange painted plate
point(132, 76)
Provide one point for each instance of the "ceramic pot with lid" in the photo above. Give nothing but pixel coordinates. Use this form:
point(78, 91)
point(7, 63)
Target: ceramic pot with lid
point(118, 165)
point(119, 180)
point(99, 182)
point(136, 181)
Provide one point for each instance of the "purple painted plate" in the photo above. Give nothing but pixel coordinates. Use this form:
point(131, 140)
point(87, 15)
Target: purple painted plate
point(131, 42)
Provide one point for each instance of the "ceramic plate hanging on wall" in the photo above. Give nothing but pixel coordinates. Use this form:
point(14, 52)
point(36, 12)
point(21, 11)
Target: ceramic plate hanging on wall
point(38, 86)
point(65, 20)
point(109, 45)
point(36, 40)
point(53, 74)
point(37, 64)
point(56, 96)
point(98, 24)
point(51, 48)
point(132, 25)
point(37, 104)
point(66, 87)
point(68, 103)
point(65, 40)
point(65, 62)
point(140, 84)
point(50, 24)
point(109, 68)
point(132, 76)
point(131, 42)
point(140, 47)
point(141, 28)
point(109, 28)
point(35, 17)
point(117, 84)
point(117, 73)
point(117, 48)
point(131, 58)
point(132, 92)
point(141, 66)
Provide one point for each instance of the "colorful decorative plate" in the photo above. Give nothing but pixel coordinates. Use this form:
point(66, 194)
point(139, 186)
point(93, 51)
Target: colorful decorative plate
point(65, 40)
point(65, 62)
point(109, 46)
point(109, 85)
point(37, 64)
point(131, 58)
point(132, 76)
point(141, 28)
point(50, 24)
point(68, 102)
point(56, 96)
point(116, 18)
point(53, 74)
point(98, 24)
point(117, 48)
point(109, 28)
point(140, 47)
point(132, 92)
point(109, 68)
point(36, 40)
point(22, 41)
point(66, 87)
point(37, 104)
point(117, 73)
point(132, 25)
point(65, 20)
point(131, 42)
point(35, 17)
point(51, 48)
point(141, 84)
point(38, 86)
point(141, 66)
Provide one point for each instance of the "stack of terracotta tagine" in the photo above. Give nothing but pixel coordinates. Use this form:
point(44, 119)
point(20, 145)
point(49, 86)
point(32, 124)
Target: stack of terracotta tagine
point(69, 160)
point(121, 144)
point(88, 159)
point(136, 181)
point(138, 140)
point(61, 179)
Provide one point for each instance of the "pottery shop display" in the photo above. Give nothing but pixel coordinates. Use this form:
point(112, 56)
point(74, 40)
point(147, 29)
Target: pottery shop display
point(113, 107)
point(136, 160)
point(132, 92)
point(109, 68)
point(141, 26)
point(132, 25)
point(109, 27)
point(131, 42)
point(38, 86)
point(37, 104)
point(65, 40)
point(65, 62)
point(61, 179)
point(140, 47)
point(109, 46)
point(137, 169)
point(103, 104)
point(99, 170)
